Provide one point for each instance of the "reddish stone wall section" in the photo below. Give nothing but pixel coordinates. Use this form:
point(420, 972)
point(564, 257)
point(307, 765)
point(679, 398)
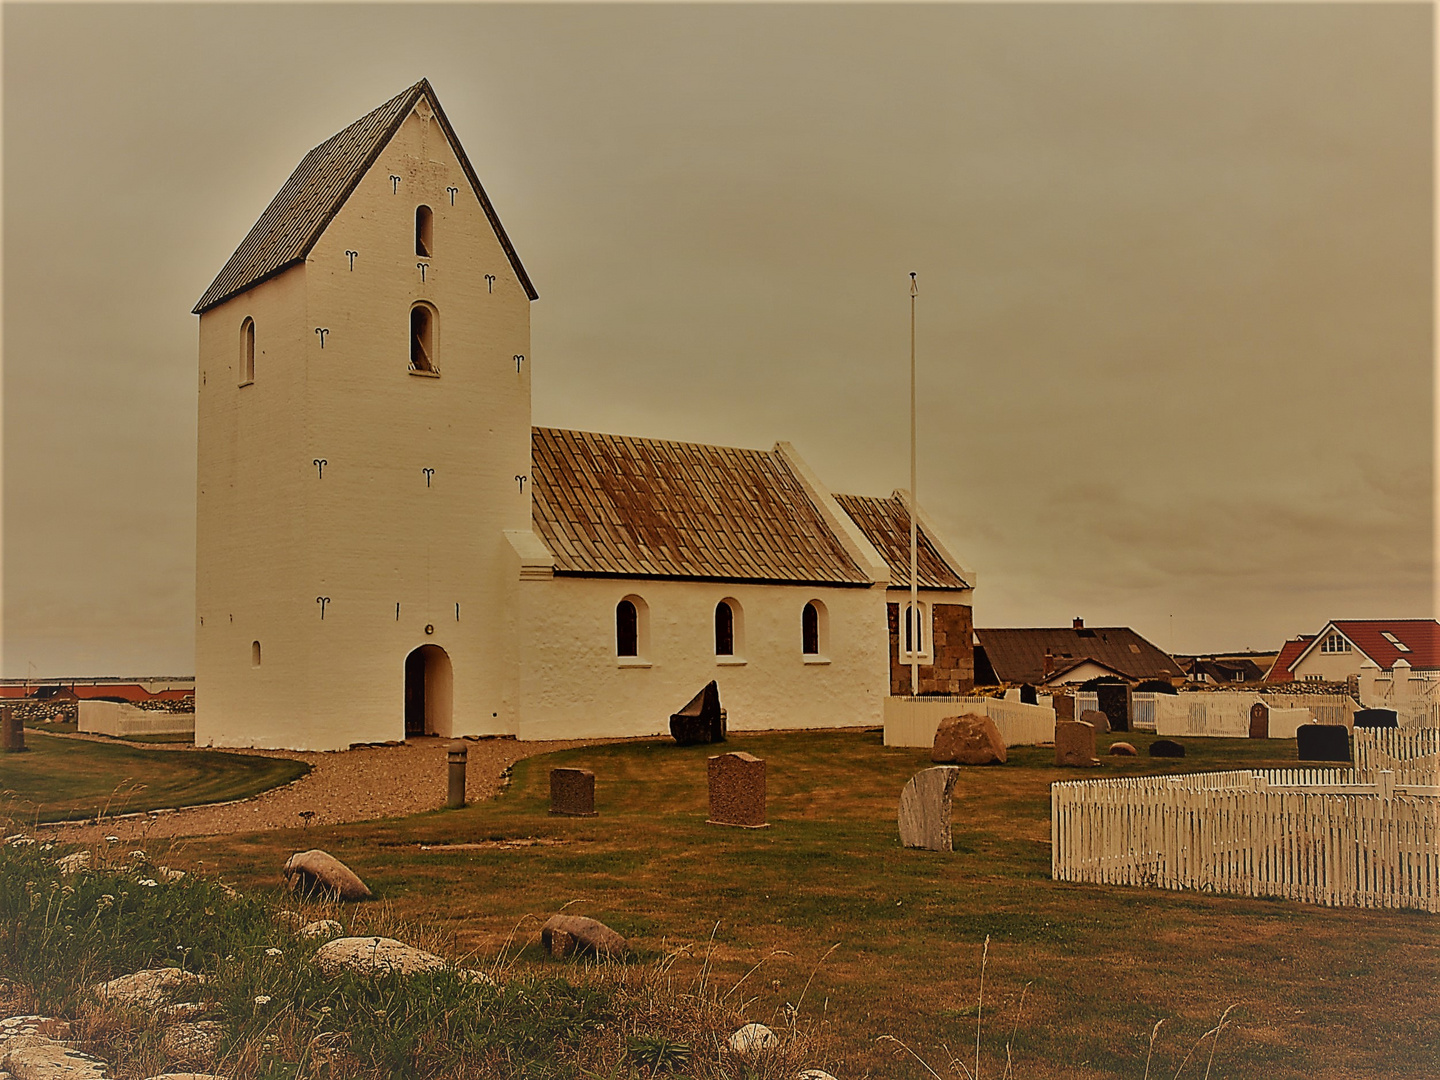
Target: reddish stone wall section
point(953, 670)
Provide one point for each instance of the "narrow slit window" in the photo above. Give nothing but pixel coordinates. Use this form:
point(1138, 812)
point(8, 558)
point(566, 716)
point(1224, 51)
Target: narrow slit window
point(247, 351)
point(255, 654)
point(627, 629)
point(915, 630)
point(724, 629)
point(424, 231)
point(422, 338)
point(810, 631)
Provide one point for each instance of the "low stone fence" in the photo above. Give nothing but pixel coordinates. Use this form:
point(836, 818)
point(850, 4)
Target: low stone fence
point(912, 721)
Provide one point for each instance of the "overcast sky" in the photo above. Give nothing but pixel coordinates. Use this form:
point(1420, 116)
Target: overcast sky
point(1174, 261)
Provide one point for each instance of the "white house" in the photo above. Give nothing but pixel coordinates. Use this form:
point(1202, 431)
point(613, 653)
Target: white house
point(386, 546)
point(1344, 645)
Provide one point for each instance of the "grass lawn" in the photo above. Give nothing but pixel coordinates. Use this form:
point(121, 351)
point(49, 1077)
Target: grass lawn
point(59, 779)
point(1318, 992)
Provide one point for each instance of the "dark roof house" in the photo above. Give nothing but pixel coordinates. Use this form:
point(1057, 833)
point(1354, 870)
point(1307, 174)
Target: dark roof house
point(1043, 654)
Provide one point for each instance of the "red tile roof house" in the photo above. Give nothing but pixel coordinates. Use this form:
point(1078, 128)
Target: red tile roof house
point(386, 546)
point(1344, 645)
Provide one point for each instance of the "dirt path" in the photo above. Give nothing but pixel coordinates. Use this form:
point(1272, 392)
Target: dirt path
point(346, 785)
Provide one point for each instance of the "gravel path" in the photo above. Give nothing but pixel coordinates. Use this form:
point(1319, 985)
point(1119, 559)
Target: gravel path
point(346, 785)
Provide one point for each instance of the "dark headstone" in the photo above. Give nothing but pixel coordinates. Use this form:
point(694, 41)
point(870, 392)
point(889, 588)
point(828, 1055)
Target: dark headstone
point(1374, 718)
point(12, 730)
point(1027, 694)
point(737, 790)
point(1166, 748)
point(572, 792)
point(1259, 720)
point(1064, 706)
point(702, 720)
point(1114, 702)
point(1322, 742)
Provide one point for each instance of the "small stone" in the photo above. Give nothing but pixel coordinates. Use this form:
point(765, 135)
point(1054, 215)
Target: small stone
point(184, 1010)
point(34, 1057)
point(147, 988)
point(326, 928)
point(316, 869)
point(189, 1076)
point(814, 1074)
point(1166, 748)
point(753, 1039)
point(13, 1027)
point(924, 814)
point(293, 919)
point(165, 874)
point(374, 956)
point(74, 862)
point(1123, 749)
point(565, 934)
point(968, 740)
point(195, 1042)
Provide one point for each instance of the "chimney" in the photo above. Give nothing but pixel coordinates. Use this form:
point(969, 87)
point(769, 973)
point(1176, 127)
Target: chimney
point(1078, 624)
point(1049, 665)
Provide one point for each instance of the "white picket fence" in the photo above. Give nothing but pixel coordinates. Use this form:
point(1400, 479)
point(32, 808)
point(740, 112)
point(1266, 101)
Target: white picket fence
point(1314, 835)
point(912, 721)
point(1412, 754)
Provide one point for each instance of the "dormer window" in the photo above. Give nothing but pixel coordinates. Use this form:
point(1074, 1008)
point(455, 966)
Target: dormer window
point(247, 352)
point(422, 339)
point(424, 231)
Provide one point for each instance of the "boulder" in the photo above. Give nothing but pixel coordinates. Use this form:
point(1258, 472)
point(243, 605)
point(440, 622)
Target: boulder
point(1166, 748)
point(74, 862)
point(1123, 749)
point(924, 814)
point(194, 1042)
point(1096, 719)
point(14, 1027)
point(968, 740)
point(565, 934)
point(146, 989)
point(319, 870)
point(35, 1057)
point(374, 956)
point(321, 928)
point(753, 1039)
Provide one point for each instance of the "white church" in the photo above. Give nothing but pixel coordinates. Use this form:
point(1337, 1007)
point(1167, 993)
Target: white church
point(387, 548)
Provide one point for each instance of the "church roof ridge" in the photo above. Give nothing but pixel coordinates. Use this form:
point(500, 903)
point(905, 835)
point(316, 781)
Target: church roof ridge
point(308, 201)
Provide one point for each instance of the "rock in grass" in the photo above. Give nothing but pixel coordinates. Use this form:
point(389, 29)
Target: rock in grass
point(1166, 748)
point(321, 928)
point(753, 1039)
point(1123, 749)
point(319, 870)
point(814, 1074)
point(563, 935)
point(189, 1076)
point(35, 1057)
point(145, 989)
point(74, 862)
point(374, 956)
point(968, 740)
point(195, 1042)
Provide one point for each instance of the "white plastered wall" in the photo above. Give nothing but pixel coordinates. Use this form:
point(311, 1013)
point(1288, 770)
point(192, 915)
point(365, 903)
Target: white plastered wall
point(574, 685)
point(273, 535)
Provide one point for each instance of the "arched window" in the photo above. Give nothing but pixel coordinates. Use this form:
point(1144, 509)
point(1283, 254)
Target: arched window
point(627, 629)
point(810, 630)
point(915, 639)
point(247, 351)
point(422, 338)
point(424, 231)
point(724, 629)
point(255, 654)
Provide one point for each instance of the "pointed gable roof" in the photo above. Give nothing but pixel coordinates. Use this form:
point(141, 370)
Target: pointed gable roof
point(1376, 638)
point(1285, 660)
point(618, 506)
point(318, 188)
point(886, 524)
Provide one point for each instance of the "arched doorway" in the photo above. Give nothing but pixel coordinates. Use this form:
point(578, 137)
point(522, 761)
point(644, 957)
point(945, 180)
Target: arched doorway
point(429, 682)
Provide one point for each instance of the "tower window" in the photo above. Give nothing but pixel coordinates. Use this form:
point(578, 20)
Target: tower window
point(255, 654)
point(422, 339)
point(247, 352)
point(424, 231)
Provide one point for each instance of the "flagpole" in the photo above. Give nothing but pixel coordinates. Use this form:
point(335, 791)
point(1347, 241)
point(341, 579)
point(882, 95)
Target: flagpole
point(912, 621)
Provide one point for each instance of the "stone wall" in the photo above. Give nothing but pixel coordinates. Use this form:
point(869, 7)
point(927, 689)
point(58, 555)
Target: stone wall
point(952, 643)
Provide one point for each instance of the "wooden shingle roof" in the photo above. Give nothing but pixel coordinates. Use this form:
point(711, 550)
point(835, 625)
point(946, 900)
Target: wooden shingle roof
point(616, 506)
point(317, 189)
point(886, 524)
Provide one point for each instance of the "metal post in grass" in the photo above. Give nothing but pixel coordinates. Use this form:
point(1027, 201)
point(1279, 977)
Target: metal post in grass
point(458, 754)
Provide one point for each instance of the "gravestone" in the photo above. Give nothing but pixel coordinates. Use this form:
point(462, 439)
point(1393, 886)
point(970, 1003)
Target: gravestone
point(737, 790)
point(1114, 702)
point(1075, 743)
point(1064, 706)
point(925, 808)
point(1375, 718)
point(700, 721)
point(572, 792)
point(1322, 742)
point(1166, 748)
point(1098, 720)
point(12, 730)
point(1027, 694)
point(1259, 720)
point(968, 740)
